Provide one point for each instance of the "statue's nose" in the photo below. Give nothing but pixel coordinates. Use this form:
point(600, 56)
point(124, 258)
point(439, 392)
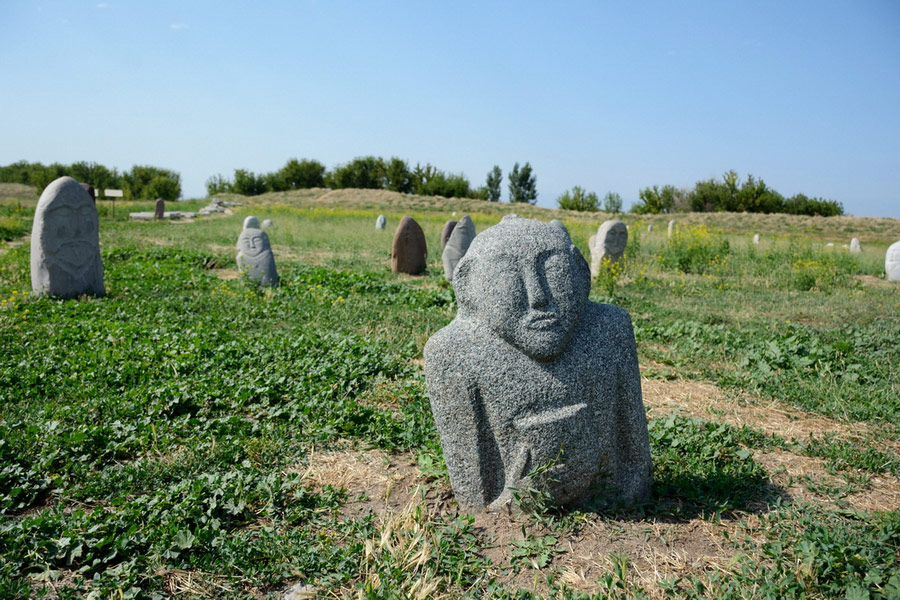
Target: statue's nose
point(536, 287)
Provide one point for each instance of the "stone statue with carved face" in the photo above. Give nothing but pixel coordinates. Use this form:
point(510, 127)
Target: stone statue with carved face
point(532, 385)
point(609, 243)
point(65, 242)
point(255, 254)
point(892, 262)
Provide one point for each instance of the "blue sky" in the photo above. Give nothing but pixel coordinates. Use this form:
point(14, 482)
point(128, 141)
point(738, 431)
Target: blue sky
point(608, 96)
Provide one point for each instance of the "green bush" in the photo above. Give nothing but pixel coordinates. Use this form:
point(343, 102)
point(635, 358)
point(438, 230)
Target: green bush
point(693, 249)
point(579, 199)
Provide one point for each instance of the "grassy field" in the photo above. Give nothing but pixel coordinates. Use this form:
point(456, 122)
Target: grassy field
point(192, 436)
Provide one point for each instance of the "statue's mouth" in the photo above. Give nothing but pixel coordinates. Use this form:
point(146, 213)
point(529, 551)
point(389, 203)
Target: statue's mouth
point(542, 320)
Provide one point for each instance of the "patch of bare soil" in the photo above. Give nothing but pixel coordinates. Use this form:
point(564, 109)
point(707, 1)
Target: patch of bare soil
point(7, 246)
point(807, 478)
point(227, 274)
point(705, 400)
point(386, 485)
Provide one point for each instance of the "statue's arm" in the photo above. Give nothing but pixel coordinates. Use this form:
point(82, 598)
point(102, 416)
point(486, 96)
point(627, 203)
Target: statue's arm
point(635, 467)
point(461, 422)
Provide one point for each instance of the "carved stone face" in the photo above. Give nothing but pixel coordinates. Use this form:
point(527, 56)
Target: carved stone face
point(69, 237)
point(614, 238)
point(253, 242)
point(526, 282)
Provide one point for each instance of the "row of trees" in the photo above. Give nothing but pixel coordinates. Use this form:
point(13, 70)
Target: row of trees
point(579, 199)
point(372, 172)
point(753, 195)
point(140, 183)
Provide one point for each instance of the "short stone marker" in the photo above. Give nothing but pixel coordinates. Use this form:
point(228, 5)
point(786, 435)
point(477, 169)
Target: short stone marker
point(457, 245)
point(756, 239)
point(380, 222)
point(671, 228)
point(90, 190)
point(609, 243)
point(532, 386)
point(160, 210)
point(255, 256)
point(446, 232)
point(267, 224)
point(892, 262)
point(408, 251)
point(559, 224)
point(855, 248)
point(829, 245)
point(65, 242)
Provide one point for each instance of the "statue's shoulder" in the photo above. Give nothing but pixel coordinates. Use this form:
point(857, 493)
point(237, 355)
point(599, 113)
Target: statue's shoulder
point(450, 343)
point(613, 320)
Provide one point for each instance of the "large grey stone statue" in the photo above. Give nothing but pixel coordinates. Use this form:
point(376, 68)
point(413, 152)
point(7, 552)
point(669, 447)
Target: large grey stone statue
point(255, 255)
point(610, 242)
point(65, 242)
point(532, 385)
point(380, 222)
point(251, 222)
point(892, 262)
point(462, 235)
point(159, 211)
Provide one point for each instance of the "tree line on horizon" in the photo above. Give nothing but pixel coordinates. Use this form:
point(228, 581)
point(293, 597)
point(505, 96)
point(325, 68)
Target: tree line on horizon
point(373, 172)
point(141, 182)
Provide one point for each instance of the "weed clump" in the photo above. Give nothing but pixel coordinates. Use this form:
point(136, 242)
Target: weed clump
point(694, 249)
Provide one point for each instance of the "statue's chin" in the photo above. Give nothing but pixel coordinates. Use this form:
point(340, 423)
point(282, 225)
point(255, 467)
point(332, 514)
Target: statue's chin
point(544, 346)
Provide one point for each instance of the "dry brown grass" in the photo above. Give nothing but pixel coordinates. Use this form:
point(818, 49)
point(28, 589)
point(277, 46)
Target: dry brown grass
point(405, 503)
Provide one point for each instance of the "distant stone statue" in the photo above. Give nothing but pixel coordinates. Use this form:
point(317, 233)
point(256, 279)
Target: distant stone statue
point(267, 224)
point(409, 251)
point(671, 228)
point(380, 222)
point(855, 248)
point(609, 243)
point(559, 224)
point(532, 385)
point(251, 222)
point(65, 242)
point(160, 210)
point(756, 239)
point(255, 256)
point(90, 190)
point(457, 245)
point(446, 232)
point(650, 227)
point(892, 262)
